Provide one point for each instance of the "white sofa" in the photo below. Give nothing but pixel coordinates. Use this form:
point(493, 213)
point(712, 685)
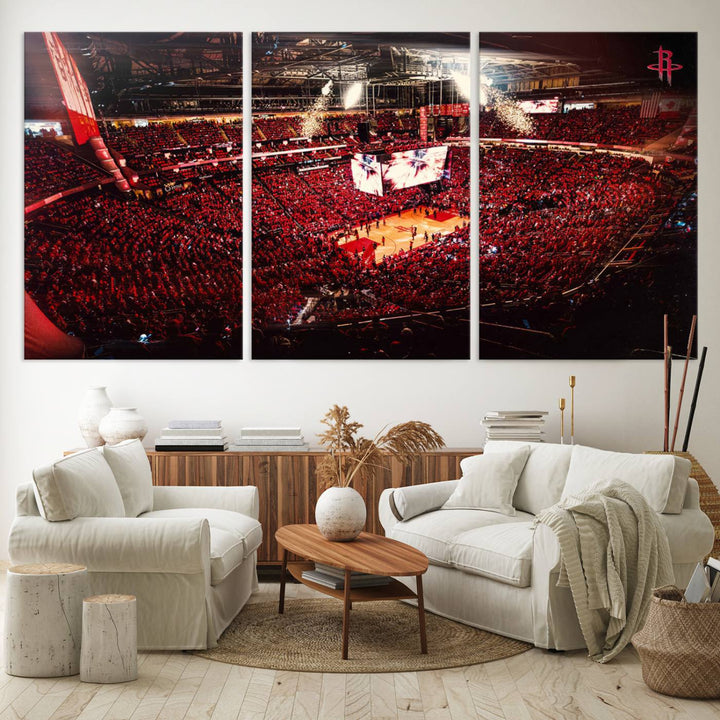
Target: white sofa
point(187, 553)
point(493, 570)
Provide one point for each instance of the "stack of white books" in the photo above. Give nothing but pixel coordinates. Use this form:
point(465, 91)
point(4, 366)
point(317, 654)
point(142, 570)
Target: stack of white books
point(519, 425)
point(333, 577)
point(270, 439)
point(192, 436)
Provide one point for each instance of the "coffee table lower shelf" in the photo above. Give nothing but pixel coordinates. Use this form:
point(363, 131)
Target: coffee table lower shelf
point(394, 590)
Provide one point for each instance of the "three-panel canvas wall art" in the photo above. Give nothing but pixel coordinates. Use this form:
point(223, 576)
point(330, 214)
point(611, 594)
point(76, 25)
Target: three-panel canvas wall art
point(380, 171)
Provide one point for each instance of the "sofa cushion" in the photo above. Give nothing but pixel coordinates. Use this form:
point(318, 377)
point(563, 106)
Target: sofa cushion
point(131, 468)
point(223, 523)
point(501, 552)
point(660, 479)
point(542, 480)
point(488, 482)
point(227, 551)
point(434, 533)
point(79, 485)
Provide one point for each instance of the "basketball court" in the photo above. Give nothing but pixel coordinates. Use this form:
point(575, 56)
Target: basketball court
point(395, 231)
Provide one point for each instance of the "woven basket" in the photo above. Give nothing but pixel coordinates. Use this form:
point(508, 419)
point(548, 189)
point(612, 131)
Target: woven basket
point(680, 646)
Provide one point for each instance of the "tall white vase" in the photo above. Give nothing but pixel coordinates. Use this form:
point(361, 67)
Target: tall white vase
point(122, 424)
point(96, 404)
point(340, 513)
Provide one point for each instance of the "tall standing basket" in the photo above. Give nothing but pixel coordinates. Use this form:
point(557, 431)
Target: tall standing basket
point(680, 646)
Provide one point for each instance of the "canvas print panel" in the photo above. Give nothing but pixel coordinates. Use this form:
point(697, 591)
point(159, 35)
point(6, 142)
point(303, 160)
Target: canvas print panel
point(360, 195)
point(588, 193)
point(133, 195)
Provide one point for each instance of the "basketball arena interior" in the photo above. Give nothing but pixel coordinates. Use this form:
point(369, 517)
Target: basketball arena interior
point(360, 180)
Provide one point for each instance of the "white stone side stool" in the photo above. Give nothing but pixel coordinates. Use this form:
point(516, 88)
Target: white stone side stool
point(43, 619)
point(109, 639)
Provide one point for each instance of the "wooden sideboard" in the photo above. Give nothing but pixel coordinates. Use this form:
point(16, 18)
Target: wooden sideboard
point(286, 482)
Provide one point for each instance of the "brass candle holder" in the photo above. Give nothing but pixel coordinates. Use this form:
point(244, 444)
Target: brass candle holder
point(561, 405)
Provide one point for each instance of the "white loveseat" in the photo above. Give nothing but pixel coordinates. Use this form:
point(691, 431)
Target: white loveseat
point(496, 571)
point(187, 553)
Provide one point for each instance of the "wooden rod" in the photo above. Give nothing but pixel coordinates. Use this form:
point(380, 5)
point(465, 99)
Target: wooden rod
point(666, 375)
point(682, 381)
point(572, 409)
point(694, 399)
point(669, 387)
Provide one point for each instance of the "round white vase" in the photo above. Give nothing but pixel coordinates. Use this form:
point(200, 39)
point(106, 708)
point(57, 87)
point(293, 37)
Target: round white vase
point(122, 424)
point(340, 513)
point(96, 404)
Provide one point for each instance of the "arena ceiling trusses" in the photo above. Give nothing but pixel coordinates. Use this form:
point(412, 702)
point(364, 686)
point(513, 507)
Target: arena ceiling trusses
point(129, 71)
point(295, 59)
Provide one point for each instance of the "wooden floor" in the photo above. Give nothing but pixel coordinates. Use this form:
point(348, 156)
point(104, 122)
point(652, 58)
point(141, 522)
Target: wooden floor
point(177, 686)
point(396, 231)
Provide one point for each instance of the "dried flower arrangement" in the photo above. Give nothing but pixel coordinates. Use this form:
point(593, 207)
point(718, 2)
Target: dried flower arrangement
point(354, 457)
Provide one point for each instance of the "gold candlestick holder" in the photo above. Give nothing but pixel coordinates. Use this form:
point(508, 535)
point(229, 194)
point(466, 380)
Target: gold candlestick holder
point(561, 405)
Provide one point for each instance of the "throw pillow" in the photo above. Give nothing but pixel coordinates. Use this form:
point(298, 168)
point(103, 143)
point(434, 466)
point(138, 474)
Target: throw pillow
point(79, 485)
point(542, 480)
point(660, 479)
point(131, 468)
point(488, 482)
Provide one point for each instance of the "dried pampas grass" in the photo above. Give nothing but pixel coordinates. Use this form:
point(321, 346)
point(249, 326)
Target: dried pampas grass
point(354, 457)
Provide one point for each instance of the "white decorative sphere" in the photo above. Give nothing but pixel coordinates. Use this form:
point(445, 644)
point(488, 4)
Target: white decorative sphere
point(340, 513)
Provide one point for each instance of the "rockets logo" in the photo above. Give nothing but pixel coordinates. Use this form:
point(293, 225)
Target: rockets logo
point(664, 64)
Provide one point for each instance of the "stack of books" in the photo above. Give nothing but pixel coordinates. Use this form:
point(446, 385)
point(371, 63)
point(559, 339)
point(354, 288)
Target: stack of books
point(270, 439)
point(519, 425)
point(192, 436)
point(332, 577)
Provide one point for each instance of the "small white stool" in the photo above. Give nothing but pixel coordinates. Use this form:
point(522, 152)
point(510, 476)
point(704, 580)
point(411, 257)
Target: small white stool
point(43, 619)
point(109, 639)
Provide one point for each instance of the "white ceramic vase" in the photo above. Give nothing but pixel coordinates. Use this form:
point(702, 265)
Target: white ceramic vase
point(340, 513)
point(122, 423)
point(96, 404)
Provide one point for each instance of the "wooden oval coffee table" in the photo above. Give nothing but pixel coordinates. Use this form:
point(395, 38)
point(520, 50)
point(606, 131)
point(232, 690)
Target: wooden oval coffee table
point(368, 553)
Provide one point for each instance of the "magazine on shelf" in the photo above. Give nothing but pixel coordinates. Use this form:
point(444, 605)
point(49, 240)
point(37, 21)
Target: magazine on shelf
point(500, 414)
point(704, 585)
point(713, 573)
point(340, 573)
point(195, 440)
point(270, 432)
point(269, 448)
point(338, 583)
point(190, 424)
point(175, 447)
point(271, 440)
point(193, 432)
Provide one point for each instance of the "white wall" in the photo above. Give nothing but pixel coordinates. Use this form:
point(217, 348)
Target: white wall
point(619, 403)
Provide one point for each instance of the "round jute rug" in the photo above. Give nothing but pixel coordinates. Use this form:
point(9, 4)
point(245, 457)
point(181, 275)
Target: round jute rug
point(384, 637)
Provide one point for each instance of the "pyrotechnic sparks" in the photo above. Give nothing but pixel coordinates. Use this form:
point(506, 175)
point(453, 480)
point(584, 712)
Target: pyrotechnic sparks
point(462, 83)
point(507, 110)
point(485, 83)
point(312, 124)
point(353, 95)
